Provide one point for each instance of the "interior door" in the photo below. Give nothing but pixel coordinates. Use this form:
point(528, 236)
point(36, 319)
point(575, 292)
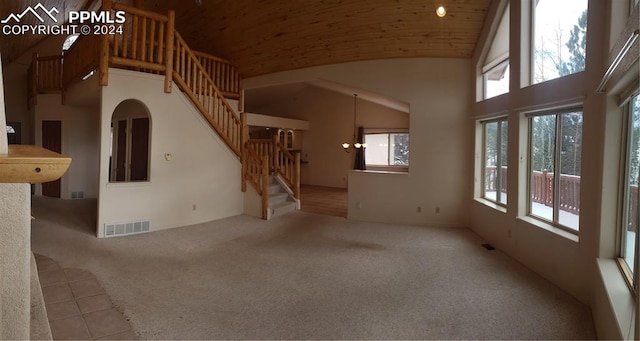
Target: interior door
point(139, 149)
point(52, 140)
point(121, 151)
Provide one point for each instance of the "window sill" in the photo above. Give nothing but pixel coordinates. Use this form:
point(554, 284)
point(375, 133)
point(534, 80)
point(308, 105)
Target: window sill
point(620, 298)
point(355, 171)
point(491, 204)
point(550, 227)
point(393, 169)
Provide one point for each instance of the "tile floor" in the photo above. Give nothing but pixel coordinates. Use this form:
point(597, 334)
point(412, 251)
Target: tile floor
point(77, 306)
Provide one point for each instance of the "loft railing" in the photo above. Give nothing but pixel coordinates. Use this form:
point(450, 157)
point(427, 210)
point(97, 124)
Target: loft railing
point(80, 59)
point(142, 43)
point(222, 72)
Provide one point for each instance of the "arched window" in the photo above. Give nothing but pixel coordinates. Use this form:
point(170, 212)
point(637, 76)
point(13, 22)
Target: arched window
point(130, 142)
point(69, 42)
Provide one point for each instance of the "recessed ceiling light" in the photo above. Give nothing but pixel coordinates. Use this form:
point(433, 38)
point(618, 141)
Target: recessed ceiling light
point(441, 11)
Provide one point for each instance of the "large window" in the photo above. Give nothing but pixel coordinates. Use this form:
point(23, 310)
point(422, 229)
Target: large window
point(630, 214)
point(494, 160)
point(559, 38)
point(495, 67)
point(555, 148)
point(388, 149)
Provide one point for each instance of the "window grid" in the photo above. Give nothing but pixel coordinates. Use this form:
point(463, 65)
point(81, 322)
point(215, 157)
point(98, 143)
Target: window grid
point(495, 177)
point(563, 201)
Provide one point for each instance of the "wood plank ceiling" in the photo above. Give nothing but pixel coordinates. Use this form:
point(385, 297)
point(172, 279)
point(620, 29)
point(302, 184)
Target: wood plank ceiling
point(265, 36)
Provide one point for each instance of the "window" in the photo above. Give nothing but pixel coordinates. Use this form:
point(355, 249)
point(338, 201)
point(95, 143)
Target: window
point(496, 80)
point(494, 160)
point(389, 149)
point(69, 42)
point(495, 69)
point(559, 38)
point(555, 148)
point(630, 215)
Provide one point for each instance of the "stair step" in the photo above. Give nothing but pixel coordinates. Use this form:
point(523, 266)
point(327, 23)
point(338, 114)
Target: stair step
point(277, 198)
point(275, 188)
point(282, 208)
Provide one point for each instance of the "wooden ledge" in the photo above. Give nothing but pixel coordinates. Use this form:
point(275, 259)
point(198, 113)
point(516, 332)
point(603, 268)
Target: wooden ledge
point(32, 164)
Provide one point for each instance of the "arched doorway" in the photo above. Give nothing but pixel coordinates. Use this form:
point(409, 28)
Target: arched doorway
point(130, 142)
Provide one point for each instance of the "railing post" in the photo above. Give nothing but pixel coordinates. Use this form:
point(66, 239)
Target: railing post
point(103, 69)
point(545, 188)
point(276, 166)
point(243, 149)
point(265, 186)
point(168, 75)
point(296, 188)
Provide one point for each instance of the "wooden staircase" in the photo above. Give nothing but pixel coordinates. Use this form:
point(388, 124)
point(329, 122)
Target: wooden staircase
point(149, 43)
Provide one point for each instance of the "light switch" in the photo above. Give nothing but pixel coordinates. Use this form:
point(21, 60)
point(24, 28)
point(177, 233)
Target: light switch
point(168, 156)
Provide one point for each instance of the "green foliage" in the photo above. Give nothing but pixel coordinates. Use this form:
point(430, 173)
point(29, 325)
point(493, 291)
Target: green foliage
point(577, 46)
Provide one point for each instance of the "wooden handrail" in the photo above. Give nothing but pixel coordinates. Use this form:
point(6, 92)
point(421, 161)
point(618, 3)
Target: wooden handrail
point(287, 166)
point(193, 79)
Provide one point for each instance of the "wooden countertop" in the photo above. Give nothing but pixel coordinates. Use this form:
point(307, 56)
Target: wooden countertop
point(32, 164)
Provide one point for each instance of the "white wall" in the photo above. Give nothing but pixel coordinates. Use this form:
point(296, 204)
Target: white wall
point(330, 116)
point(15, 74)
point(437, 91)
point(203, 171)
point(80, 141)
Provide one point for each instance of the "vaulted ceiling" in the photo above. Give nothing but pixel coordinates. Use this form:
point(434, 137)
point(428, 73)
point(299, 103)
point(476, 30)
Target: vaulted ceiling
point(265, 36)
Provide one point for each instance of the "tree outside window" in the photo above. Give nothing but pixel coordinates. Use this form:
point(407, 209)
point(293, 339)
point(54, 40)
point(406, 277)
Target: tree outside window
point(559, 38)
point(556, 157)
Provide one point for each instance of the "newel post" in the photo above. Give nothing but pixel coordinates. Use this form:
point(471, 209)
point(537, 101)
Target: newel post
point(171, 30)
point(243, 148)
point(296, 189)
point(265, 186)
point(276, 165)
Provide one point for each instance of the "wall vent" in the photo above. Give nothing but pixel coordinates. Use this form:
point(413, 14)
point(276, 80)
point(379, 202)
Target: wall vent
point(77, 195)
point(123, 229)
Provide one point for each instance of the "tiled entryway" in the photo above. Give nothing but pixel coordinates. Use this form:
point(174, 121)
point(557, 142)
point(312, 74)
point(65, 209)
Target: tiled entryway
point(324, 200)
point(77, 306)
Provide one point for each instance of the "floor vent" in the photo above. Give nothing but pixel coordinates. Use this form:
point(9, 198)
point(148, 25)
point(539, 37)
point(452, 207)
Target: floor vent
point(123, 229)
point(488, 246)
point(77, 195)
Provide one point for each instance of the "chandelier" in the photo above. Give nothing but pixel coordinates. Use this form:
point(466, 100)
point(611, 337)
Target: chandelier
point(354, 145)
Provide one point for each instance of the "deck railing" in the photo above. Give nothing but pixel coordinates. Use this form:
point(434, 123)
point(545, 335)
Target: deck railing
point(542, 188)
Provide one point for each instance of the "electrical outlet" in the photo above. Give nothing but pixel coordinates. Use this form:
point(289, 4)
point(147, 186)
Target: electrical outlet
point(419, 209)
point(437, 209)
point(195, 207)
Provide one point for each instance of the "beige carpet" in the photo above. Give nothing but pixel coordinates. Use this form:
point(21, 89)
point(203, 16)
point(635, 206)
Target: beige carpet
point(308, 276)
